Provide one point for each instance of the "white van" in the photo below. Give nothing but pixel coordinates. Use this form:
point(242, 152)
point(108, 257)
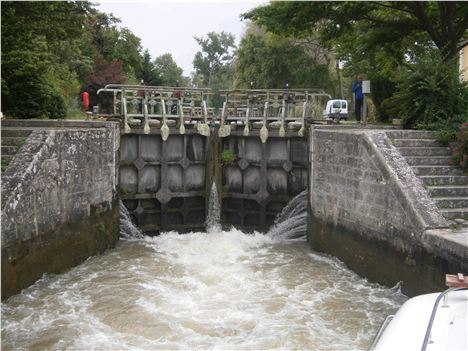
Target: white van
point(336, 109)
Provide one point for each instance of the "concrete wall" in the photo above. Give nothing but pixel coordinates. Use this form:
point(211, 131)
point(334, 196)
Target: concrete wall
point(59, 199)
point(163, 183)
point(370, 210)
point(262, 179)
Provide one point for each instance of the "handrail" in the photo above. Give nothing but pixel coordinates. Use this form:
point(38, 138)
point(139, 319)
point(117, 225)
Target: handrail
point(434, 311)
point(380, 332)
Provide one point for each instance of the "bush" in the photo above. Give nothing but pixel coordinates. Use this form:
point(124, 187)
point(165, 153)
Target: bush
point(382, 89)
point(460, 152)
point(447, 130)
point(430, 94)
point(28, 87)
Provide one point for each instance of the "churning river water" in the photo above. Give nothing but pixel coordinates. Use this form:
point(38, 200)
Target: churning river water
point(221, 290)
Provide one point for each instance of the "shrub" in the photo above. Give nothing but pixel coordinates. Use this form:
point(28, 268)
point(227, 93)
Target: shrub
point(382, 89)
point(430, 94)
point(28, 89)
point(460, 152)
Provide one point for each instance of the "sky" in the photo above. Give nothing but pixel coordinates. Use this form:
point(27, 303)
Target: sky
point(169, 27)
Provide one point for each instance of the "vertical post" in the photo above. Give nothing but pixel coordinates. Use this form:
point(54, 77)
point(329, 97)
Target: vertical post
point(181, 117)
point(205, 111)
point(283, 117)
point(115, 102)
point(124, 112)
point(164, 127)
point(146, 128)
point(364, 109)
point(247, 114)
point(304, 111)
point(264, 129)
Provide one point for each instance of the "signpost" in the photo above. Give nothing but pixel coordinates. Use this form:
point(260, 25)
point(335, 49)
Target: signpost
point(365, 91)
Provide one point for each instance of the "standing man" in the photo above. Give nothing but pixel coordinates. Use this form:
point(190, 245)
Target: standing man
point(358, 97)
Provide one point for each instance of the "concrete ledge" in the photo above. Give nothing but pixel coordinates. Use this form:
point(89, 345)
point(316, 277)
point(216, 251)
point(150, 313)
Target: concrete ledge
point(451, 245)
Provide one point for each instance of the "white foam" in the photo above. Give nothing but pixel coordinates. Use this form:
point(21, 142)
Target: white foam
point(223, 290)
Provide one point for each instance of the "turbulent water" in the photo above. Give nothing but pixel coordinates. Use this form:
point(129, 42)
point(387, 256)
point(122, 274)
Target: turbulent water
point(291, 223)
point(221, 290)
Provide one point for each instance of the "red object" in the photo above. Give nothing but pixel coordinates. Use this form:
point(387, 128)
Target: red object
point(85, 100)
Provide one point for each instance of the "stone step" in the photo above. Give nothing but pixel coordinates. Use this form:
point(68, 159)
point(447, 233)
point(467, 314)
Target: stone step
point(425, 151)
point(13, 132)
point(451, 202)
point(411, 134)
point(447, 191)
point(9, 150)
point(444, 180)
point(437, 170)
point(415, 142)
point(452, 213)
point(429, 161)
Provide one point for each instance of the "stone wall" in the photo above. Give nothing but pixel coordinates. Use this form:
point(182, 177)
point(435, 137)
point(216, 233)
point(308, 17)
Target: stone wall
point(370, 210)
point(59, 199)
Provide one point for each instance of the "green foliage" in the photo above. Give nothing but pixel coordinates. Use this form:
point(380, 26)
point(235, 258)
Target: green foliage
point(460, 152)
point(28, 89)
point(228, 157)
point(37, 38)
point(430, 94)
point(149, 74)
point(381, 92)
point(375, 38)
point(388, 23)
point(272, 61)
point(169, 73)
point(447, 130)
point(52, 50)
point(214, 57)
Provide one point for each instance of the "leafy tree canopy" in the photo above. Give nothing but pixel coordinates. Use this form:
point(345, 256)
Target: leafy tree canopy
point(149, 74)
point(272, 61)
point(387, 23)
point(170, 74)
point(214, 57)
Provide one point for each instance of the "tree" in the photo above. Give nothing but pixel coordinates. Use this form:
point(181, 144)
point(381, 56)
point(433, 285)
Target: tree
point(168, 71)
point(149, 74)
point(377, 38)
point(215, 56)
point(271, 61)
point(39, 40)
point(388, 23)
point(102, 74)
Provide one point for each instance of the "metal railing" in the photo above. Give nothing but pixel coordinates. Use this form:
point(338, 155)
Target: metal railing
point(161, 107)
point(444, 295)
point(266, 109)
point(146, 107)
point(382, 327)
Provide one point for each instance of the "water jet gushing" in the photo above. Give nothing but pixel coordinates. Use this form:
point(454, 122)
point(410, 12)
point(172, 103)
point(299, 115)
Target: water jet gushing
point(213, 220)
